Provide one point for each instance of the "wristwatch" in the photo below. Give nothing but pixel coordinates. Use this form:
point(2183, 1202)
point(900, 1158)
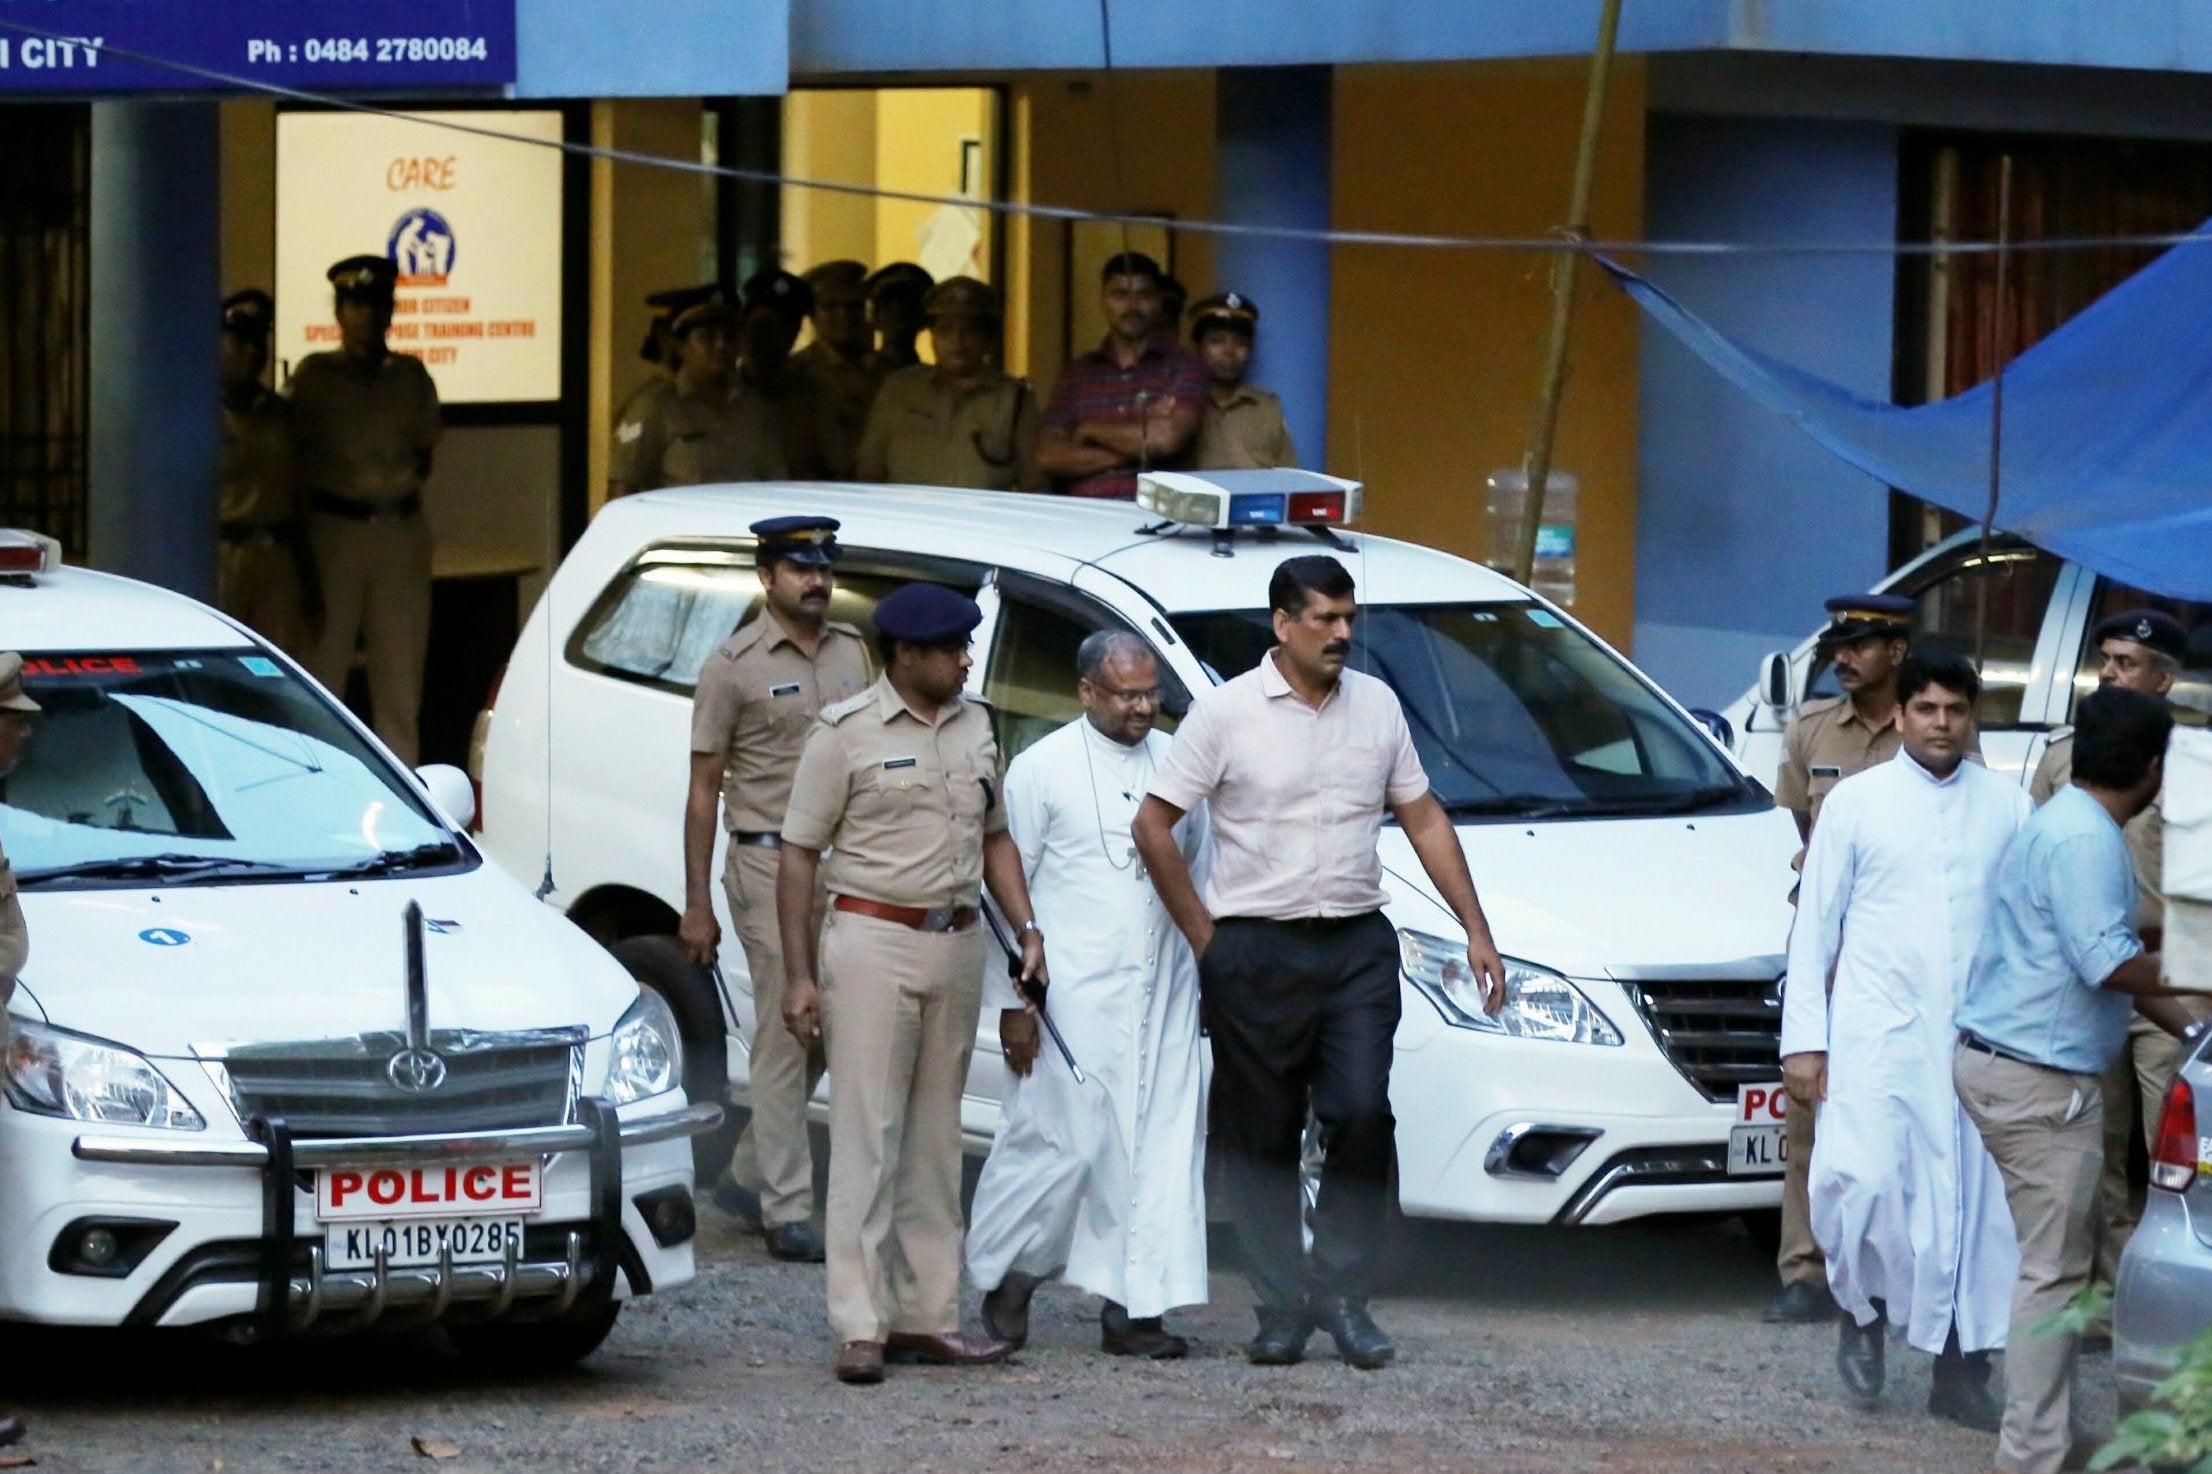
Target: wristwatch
point(1028, 926)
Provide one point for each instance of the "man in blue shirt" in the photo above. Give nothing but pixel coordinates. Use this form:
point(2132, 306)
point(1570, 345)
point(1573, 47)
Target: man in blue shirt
point(2058, 974)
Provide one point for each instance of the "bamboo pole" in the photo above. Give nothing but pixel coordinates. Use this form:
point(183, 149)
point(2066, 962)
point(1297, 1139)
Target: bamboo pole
point(1551, 387)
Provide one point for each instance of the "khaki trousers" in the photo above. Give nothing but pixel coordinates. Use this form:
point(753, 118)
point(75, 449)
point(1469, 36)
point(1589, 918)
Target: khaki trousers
point(774, 1156)
point(2046, 1130)
point(260, 587)
point(899, 1010)
point(1798, 1258)
point(376, 590)
point(2137, 1079)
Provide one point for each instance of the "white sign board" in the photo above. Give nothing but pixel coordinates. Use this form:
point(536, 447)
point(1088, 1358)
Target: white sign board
point(472, 223)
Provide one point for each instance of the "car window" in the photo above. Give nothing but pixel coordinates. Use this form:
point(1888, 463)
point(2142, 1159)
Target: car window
point(2192, 688)
point(1030, 682)
point(665, 613)
point(1995, 604)
point(215, 756)
point(1513, 711)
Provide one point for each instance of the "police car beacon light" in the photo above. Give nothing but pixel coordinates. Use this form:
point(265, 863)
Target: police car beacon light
point(24, 554)
point(1224, 500)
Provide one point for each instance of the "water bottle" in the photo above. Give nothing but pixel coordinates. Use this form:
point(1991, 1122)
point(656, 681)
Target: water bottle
point(1553, 575)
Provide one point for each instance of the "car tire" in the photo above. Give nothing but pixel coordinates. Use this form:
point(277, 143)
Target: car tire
point(658, 962)
point(536, 1345)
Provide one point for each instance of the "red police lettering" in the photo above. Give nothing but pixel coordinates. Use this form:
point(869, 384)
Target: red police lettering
point(386, 1187)
point(342, 1184)
point(82, 665)
point(514, 1181)
point(479, 1187)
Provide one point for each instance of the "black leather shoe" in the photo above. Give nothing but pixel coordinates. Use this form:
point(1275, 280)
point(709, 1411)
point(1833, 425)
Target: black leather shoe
point(795, 1243)
point(1960, 1392)
point(1282, 1338)
point(740, 1203)
point(1859, 1357)
point(1149, 1338)
point(12, 1429)
point(1800, 1303)
point(1358, 1339)
point(1006, 1307)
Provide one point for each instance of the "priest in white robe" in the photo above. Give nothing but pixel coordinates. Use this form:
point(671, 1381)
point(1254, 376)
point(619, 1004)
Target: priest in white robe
point(1907, 1204)
point(1100, 1182)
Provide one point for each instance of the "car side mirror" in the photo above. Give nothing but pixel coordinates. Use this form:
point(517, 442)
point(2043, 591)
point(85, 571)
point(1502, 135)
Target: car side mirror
point(450, 790)
point(1723, 730)
point(1774, 681)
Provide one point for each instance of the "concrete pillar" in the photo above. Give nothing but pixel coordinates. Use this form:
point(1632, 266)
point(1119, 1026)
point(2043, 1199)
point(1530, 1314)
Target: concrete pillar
point(1272, 130)
point(155, 423)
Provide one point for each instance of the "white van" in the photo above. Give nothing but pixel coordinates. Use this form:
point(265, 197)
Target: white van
point(288, 1056)
point(1637, 878)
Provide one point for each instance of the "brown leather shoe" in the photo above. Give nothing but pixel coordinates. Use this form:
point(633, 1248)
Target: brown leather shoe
point(950, 1349)
point(860, 1363)
point(1006, 1308)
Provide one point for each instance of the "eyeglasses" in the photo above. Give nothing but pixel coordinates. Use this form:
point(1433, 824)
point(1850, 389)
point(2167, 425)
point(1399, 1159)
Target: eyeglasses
point(1147, 694)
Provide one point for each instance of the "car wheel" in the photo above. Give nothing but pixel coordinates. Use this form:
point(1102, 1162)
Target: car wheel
point(658, 963)
point(536, 1345)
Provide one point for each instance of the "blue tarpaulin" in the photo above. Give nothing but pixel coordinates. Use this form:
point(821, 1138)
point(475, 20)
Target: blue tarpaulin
point(2107, 446)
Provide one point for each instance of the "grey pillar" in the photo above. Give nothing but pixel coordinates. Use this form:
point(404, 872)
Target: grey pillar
point(155, 420)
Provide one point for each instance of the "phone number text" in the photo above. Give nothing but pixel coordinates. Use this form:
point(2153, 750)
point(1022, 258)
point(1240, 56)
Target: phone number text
point(369, 49)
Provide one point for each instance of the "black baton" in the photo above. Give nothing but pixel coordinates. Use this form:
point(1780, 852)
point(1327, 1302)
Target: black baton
point(1014, 971)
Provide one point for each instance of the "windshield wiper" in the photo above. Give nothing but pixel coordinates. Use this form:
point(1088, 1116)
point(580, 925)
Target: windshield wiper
point(1675, 803)
point(1513, 806)
point(1537, 806)
point(387, 862)
point(178, 867)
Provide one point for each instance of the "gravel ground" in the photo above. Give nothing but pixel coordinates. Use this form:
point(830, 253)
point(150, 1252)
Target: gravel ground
point(1520, 1350)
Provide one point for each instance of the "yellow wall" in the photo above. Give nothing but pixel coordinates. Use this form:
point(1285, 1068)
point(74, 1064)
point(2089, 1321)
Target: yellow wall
point(247, 185)
point(829, 134)
point(1434, 355)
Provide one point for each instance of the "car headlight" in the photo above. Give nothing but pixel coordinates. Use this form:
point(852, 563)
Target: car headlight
point(1539, 1003)
point(52, 1072)
point(645, 1053)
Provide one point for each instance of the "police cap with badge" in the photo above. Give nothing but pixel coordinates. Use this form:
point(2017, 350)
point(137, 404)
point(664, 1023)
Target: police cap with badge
point(927, 614)
point(368, 279)
point(710, 307)
point(1231, 310)
point(811, 541)
point(1854, 617)
point(780, 292)
point(666, 304)
point(11, 685)
point(899, 279)
point(249, 315)
point(961, 297)
point(2146, 627)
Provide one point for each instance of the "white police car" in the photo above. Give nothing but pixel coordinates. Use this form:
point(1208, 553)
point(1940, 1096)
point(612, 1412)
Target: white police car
point(1636, 875)
point(288, 1056)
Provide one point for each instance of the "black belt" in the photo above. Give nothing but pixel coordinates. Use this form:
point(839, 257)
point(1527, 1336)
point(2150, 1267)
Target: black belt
point(239, 531)
point(1302, 923)
point(392, 509)
point(766, 839)
point(1980, 1045)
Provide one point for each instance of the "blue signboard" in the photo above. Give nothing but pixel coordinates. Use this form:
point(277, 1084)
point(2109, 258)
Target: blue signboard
point(119, 46)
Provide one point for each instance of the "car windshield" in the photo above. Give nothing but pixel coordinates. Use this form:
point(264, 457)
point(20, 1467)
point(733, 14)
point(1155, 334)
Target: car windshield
point(191, 766)
point(1515, 713)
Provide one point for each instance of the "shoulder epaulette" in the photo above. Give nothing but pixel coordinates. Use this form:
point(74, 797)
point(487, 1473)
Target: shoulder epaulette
point(2061, 734)
point(838, 711)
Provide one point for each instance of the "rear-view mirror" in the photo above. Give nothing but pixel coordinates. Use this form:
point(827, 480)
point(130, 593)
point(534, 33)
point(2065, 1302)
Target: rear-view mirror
point(1774, 681)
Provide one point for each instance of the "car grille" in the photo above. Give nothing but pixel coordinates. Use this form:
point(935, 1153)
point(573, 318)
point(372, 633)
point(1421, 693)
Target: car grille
point(343, 1087)
point(1719, 1032)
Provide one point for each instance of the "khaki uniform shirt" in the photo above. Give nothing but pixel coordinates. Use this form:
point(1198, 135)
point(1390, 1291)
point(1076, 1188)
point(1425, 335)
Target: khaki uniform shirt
point(15, 938)
point(363, 427)
point(2145, 833)
point(925, 432)
point(757, 698)
point(1827, 742)
point(674, 435)
point(1246, 434)
point(902, 805)
point(257, 474)
point(1297, 792)
point(846, 389)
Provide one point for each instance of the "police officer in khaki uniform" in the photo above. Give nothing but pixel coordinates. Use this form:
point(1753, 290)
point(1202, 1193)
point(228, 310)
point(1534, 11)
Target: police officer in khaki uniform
point(16, 711)
point(1826, 742)
point(757, 698)
point(702, 424)
point(659, 349)
point(1243, 427)
point(774, 308)
point(266, 567)
point(900, 785)
point(960, 421)
point(895, 296)
point(839, 360)
point(2138, 650)
point(367, 420)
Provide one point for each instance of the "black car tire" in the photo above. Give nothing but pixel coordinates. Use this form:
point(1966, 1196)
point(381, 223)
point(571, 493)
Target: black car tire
point(537, 1345)
point(658, 962)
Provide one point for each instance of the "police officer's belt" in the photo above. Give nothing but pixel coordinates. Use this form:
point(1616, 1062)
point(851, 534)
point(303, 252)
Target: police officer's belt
point(937, 918)
point(766, 839)
point(388, 509)
point(1975, 1042)
point(258, 534)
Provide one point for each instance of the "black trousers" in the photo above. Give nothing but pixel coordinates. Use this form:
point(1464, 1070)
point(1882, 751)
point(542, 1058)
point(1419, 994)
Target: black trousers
point(1303, 1014)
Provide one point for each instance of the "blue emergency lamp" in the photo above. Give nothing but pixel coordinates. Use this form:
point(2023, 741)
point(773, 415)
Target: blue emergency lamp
point(1228, 500)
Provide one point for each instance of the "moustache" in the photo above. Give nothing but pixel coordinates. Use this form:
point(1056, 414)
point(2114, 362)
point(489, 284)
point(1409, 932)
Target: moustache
point(1337, 647)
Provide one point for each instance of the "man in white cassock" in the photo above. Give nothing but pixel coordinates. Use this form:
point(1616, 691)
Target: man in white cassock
point(1098, 1182)
point(1907, 1204)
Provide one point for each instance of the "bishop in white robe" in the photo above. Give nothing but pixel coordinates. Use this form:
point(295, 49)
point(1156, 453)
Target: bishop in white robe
point(1907, 1204)
point(1100, 1182)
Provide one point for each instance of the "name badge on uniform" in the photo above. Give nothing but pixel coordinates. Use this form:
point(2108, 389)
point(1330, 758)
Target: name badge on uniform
point(1823, 770)
point(898, 762)
point(790, 690)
